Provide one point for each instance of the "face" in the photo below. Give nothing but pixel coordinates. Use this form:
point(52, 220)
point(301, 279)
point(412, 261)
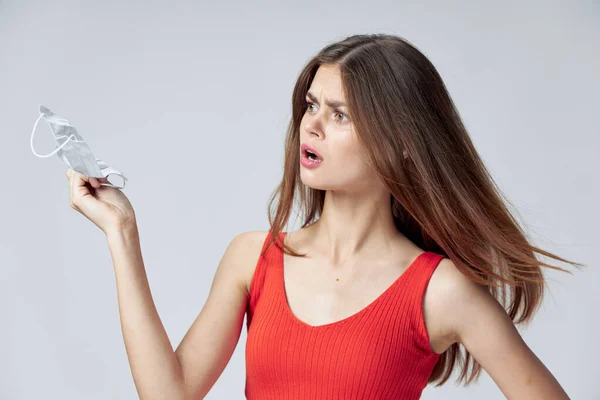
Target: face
point(327, 127)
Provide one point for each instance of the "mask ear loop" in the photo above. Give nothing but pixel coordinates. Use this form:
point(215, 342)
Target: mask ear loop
point(55, 150)
point(114, 186)
point(106, 171)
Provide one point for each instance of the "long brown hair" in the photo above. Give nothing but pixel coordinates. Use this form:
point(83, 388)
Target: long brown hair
point(442, 196)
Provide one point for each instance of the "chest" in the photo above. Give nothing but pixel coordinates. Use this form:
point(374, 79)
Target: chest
point(318, 294)
point(349, 327)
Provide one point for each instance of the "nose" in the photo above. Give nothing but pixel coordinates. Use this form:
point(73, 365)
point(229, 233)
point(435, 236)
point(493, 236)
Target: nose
point(313, 125)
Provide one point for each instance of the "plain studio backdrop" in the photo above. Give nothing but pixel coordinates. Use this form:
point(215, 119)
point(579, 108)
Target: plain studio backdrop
point(190, 101)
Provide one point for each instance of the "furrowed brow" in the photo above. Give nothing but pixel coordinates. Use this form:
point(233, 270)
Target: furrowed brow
point(330, 103)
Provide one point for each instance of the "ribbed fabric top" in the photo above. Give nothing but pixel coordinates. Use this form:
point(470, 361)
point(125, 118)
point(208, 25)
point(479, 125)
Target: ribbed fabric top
point(380, 352)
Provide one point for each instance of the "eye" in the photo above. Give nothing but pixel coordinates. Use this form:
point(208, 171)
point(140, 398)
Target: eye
point(344, 117)
point(308, 104)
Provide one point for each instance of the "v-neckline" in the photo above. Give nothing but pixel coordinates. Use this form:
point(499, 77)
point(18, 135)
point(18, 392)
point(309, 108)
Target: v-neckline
point(378, 299)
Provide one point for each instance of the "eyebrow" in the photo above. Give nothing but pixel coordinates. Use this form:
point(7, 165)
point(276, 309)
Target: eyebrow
point(330, 103)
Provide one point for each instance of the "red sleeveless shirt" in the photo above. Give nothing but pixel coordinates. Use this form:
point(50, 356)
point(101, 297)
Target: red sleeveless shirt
point(380, 352)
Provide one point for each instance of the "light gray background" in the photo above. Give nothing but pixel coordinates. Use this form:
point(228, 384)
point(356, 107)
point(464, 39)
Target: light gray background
point(190, 101)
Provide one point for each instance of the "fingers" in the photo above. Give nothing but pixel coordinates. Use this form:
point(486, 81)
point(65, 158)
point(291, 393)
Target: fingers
point(95, 182)
point(78, 187)
point(71, 176)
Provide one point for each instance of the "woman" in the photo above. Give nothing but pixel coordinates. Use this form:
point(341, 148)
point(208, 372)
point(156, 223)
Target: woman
point(407, 257)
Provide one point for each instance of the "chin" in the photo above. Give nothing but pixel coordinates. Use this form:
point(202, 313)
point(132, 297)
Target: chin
point(312, 186)
point(313, 183)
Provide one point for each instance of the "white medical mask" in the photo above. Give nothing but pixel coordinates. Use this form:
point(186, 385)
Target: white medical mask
point(73, 150)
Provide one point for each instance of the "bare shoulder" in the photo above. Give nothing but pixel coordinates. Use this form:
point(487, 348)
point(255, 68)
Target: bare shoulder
point(208, 345)
point(246, 247)
point(448, 280)
point(448, 294)
point(469, 314)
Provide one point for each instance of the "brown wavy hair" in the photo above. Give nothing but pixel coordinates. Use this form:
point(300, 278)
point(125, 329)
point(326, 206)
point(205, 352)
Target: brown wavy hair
point(442, 196)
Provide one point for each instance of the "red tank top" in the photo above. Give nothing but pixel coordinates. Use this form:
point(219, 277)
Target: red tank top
point(380, 352)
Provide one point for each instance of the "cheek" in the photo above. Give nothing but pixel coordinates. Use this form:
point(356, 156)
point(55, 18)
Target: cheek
point(351, 148)
point(351, 158)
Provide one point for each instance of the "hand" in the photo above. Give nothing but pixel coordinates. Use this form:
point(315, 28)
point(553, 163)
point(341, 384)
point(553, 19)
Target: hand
point(107, 207)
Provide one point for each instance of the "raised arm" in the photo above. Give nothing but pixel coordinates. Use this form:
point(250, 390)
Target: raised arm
point(192, 370)
point(158, 371)
point(208, 345)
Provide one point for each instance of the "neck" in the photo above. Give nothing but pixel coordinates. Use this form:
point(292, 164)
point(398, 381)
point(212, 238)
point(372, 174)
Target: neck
point(354, 225)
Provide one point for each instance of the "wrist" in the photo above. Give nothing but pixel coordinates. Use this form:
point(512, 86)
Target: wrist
point(123, 232)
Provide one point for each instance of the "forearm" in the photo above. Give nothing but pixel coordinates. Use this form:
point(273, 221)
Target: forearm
point(154, 366)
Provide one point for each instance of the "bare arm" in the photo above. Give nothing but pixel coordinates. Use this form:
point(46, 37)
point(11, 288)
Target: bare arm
point(156, 371)
point(190, 371)
point(208, 345)
point(478, 322)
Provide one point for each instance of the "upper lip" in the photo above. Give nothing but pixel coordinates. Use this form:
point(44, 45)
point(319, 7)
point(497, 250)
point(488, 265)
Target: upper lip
point(305, 147)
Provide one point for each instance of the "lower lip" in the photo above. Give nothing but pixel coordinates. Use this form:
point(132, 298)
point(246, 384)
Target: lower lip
point(308, 163)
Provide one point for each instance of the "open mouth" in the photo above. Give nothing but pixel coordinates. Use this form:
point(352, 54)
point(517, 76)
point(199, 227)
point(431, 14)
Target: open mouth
point(311, 156)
